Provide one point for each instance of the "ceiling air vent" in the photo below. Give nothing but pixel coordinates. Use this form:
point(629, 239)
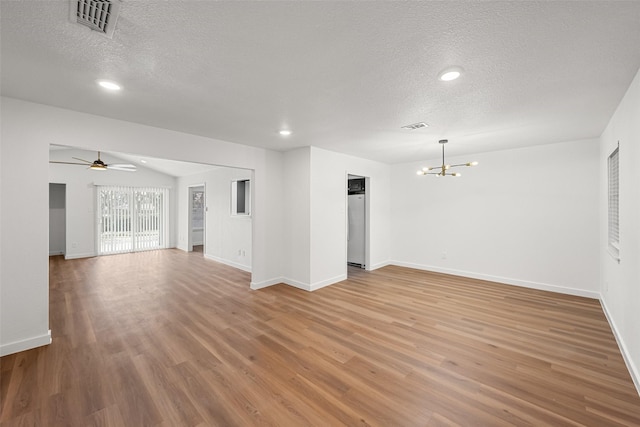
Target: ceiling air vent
point(416, 126)
point(99, 15)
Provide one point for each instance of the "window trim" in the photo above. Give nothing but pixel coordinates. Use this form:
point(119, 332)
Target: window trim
point(613, 203)
point(247, 197)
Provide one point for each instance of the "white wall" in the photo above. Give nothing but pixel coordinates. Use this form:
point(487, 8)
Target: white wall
point(24, 269)
point(81, 195)
point(328, 219)
point(316, 215)
point(28, 129)
point(296, 214)
point(228, 238)
point(526, 216)
point(620, 282)
point(57, 219)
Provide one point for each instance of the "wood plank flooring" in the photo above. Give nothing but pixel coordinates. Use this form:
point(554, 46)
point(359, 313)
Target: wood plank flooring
point(168, 338)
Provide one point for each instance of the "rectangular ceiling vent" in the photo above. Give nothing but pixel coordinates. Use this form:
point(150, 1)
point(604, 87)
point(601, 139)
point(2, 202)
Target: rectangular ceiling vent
point(99, 15)
point(415, 126)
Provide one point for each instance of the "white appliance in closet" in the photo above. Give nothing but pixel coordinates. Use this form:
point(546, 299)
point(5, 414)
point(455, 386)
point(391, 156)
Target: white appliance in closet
point(356, 235)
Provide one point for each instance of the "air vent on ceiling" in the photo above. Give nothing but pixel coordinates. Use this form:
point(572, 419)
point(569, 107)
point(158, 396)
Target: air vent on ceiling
point(99, 15)
point(416, 126)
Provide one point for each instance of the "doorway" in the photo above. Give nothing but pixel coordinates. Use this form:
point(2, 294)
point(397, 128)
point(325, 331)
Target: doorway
point(57, 219)
point(357, 221)
point(197, 218)
point(131, 219)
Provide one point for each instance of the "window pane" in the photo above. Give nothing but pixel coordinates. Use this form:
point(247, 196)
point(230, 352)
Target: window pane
point(131, 219)
point(614, 203)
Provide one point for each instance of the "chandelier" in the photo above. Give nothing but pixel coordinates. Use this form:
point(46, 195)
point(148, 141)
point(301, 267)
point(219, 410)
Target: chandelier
point(442, 170)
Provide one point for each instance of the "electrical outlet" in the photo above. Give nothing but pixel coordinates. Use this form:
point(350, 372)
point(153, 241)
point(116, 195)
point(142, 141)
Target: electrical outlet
point(444, 255)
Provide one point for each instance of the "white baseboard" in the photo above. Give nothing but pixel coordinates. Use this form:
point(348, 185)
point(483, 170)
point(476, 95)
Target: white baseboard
point(76, 256)
point(242, 267)
point(310, 287)
point(505, 280)
point(379, 265)
point(283, 280)
point(633, 370)
point(327, 282)
point(297, 284)
point(266, 283)
point(54, 253)
point(27, 344)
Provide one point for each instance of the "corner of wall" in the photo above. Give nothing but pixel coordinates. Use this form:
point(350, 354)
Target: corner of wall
point(619, 280)
point(626, 355)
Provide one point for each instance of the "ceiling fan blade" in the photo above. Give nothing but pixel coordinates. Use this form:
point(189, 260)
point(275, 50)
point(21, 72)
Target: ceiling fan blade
point(67, 163)
point(82, 160)
point(122, 167)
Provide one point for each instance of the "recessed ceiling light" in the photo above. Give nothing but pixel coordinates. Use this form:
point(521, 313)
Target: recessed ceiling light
point(450, 73)
point(143, 161)
point(109, 85)
point(285, 132)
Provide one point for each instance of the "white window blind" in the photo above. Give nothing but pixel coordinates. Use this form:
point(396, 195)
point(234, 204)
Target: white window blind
point(614, 202)
point(131, 219)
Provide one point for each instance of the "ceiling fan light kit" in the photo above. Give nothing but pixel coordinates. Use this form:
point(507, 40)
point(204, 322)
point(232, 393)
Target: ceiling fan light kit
point(443, 169)
point(98, 165)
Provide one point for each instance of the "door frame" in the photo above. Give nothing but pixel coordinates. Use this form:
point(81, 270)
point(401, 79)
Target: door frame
point(64, 192)
point(367, 219)
point(191, 188)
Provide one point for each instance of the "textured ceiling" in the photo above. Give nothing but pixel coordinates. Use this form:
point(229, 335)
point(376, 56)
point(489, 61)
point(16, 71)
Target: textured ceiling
point(344, 76)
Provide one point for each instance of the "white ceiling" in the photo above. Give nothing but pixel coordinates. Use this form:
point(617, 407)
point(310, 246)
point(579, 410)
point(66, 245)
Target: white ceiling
point(344, 76)
point(168, 167)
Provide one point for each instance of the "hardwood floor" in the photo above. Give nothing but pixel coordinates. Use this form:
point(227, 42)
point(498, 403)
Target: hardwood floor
point(168, 338)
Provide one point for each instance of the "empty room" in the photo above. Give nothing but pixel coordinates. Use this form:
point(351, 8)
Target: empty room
point(319, 213)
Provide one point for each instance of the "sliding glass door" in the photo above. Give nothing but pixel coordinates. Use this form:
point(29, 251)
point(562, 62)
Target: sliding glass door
point(131, 219)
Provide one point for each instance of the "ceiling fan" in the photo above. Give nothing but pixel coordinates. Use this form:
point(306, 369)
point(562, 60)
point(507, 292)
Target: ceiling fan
point(99, 165)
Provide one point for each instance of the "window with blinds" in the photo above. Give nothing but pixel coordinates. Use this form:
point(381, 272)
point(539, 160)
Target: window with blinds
point(614, 202)
point(131, 219)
